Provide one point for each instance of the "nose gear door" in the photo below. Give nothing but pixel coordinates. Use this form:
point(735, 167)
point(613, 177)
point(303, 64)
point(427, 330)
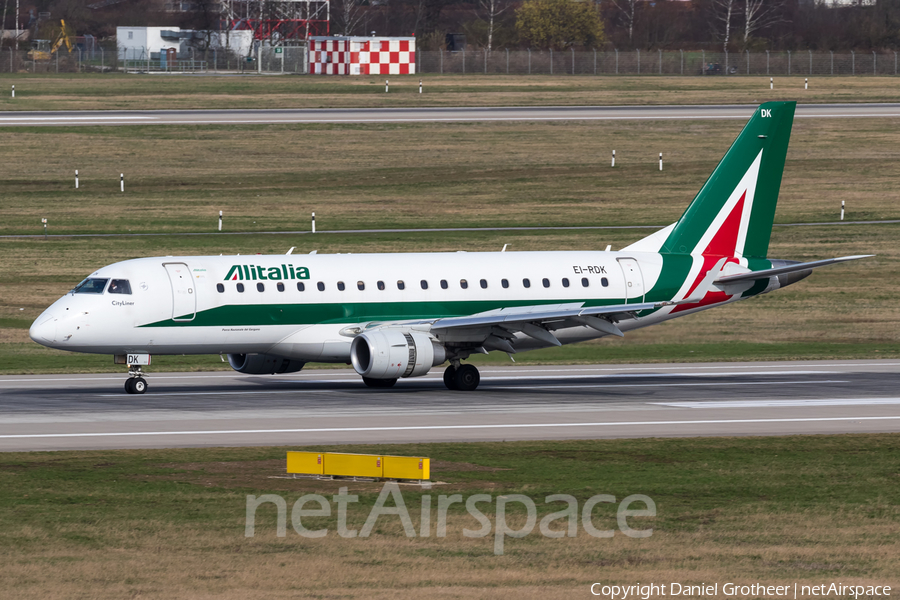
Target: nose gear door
point(184, 298)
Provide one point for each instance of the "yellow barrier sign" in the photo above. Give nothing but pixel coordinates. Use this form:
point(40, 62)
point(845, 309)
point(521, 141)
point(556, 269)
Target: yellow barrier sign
point(359, 465)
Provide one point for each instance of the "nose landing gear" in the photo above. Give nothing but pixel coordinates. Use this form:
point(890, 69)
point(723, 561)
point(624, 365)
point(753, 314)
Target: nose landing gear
point(135, 384)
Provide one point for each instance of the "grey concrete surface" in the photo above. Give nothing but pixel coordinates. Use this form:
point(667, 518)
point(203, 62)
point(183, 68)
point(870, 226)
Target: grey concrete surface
point(62, 412)
point(414, 115)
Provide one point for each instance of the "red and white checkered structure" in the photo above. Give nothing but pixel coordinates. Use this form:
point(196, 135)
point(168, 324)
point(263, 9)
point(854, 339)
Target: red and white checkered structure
point(362, 55)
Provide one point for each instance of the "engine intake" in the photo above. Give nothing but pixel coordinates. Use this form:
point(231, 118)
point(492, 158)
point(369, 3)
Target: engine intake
point(391, 354)
point(263, 364)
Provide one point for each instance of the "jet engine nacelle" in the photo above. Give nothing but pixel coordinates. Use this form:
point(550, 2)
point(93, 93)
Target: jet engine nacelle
point(391, 353)
point(263, 364)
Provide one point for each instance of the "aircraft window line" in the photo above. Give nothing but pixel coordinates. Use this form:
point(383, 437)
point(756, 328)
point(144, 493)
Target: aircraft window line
point(504, 283)
point(565, 282)
point(91, 285)
point(220, 288)
point(526, 282)
point(604, 282)
point(320, 286)
point(280, 286)
point(301, 286)
point(444, 284)
point(483, 283)
point(464, 284)
point(380, 285)
point(341, 286)
point(260, 287)
point(240, 288)
point(360, 286)
point(585, 282)
point(400, 284)
point(545, 282)
point(424, 284)
point(120, 286)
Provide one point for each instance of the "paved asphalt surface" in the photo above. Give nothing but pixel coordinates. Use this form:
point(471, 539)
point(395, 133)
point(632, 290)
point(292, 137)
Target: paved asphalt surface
point(413, 115)
point(48, 412)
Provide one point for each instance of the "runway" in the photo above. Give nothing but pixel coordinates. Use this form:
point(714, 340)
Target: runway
point(429, 115)
point(67, 412)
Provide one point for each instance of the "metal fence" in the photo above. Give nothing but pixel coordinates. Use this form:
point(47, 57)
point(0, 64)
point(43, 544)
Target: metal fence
point(138, 60)
point(613, 62)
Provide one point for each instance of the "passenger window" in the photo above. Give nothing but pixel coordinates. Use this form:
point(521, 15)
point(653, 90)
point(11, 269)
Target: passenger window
point(220, 288)
point(504, 283)
point(526, 282)
point(280, 286)
point(380, 285)
point(320, 286)
point(604, 282)
point(464, 284)
point(424, 284)
point(260, 287)
point(483, 283)
point(240, 288)
point(91, 286)
point(400, 285)
point(565, 282)
point(585, 282)
point(120, 286)
point(300, 286)
point(341, 286)
point(360, 285)
point(546, 282)
point(444, 284)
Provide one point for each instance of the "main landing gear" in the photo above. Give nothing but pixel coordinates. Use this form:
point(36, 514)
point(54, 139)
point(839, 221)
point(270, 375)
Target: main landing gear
point(464, 378)
point(135, 384)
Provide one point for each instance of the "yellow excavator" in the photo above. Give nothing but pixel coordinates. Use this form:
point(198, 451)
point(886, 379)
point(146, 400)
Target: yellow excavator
point(43, 49)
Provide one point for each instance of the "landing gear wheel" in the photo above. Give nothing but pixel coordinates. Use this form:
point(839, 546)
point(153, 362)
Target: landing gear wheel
point(139, 386)
point(129, 385)
point(467, 378)
point(379, 383)
point(450, 377)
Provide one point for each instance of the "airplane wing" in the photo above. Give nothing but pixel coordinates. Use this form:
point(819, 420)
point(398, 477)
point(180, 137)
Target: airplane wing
point(765, 274)
point(496, 329)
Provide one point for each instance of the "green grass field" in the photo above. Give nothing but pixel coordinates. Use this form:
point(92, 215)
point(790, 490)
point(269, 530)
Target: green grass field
point(171, 523)
point(141, 92)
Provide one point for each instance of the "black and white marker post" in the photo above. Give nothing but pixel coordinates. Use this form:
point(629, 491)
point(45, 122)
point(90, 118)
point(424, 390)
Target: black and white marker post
point(613, 159)
point(771, 83)
point(76, 179)
point(842, 210)
point(420, 86)
point(14, 92)
point(220, 220)
point(44, 221)
point(122, 182)
point(660, 161)
point(806, 83)
point(386, 86)
point(314, 222)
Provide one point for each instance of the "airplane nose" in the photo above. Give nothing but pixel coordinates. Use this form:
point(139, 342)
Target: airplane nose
point(43, 330)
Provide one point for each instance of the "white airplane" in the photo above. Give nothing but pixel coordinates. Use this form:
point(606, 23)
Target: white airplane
point(400, 315)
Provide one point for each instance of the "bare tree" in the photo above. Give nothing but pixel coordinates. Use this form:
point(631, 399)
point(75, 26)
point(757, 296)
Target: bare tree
point(348, 15)
point(761, 13)
point(493, 9)
point(627, 8)
point(723, 15)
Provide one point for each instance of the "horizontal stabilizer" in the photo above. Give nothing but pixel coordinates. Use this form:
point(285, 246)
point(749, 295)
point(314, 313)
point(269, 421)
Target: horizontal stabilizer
point(757, 275)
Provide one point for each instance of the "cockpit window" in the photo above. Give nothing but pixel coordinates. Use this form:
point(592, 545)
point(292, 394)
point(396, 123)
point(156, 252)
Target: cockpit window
point(91, 285)
point(120, 286)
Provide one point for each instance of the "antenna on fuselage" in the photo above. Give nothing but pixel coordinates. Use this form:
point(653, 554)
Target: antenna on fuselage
point(314, 252)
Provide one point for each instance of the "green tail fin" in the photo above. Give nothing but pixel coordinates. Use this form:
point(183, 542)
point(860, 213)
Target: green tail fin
point(733, 212)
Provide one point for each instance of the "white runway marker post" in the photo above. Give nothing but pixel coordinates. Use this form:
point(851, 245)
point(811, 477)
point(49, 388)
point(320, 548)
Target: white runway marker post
point(314, 222)
point(14, 92)
point(842, 210)
point(44, 221)
point(122, 182)
point(806, 83)
point(220, 220)
point(386, 82)
point(613, 159)
point(771, 83)
point(76, 179)
point(420, 86)
point(660, 161)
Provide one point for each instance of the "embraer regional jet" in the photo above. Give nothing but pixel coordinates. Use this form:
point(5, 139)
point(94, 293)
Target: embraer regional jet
point(400, 315)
